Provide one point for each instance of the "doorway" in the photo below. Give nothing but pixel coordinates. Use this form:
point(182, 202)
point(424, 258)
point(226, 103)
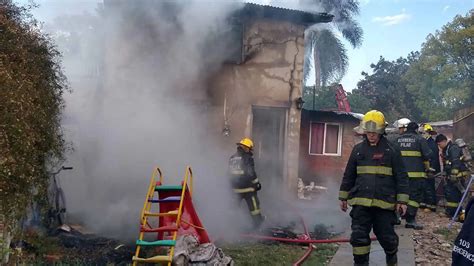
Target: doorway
point(268, 131)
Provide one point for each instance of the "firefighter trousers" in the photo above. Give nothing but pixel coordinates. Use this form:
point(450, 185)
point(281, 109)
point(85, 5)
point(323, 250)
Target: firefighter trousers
point(253, 205)
point(429, 194)
point(382, 221)
point(453, 196)
point(417, 187)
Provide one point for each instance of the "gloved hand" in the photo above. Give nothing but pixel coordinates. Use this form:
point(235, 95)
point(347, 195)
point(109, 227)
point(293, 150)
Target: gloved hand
point(258, 186)
point(430, 170)
point(453, 178)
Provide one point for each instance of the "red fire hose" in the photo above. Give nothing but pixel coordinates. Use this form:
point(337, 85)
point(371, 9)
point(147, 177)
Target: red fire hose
point(301, 241)
point(309, 241)
point(310, 246)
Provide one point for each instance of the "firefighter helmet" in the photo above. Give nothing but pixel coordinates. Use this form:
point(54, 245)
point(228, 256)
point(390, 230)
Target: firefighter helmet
point(373, 121)
point(402, 123)
point(427, 128)
point(246, 142)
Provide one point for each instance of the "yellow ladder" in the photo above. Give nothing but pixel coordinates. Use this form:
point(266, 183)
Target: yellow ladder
point(146, 213)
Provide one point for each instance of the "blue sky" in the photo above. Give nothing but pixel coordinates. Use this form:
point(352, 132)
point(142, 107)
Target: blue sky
point(392, 28)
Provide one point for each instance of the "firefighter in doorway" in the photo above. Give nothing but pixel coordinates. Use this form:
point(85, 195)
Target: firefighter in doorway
point(244, 179)
point(375, 184)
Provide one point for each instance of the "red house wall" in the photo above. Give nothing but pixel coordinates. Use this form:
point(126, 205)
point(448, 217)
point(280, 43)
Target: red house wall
point(322, 169)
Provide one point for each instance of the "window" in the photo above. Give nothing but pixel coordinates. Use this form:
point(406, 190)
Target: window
point(325, 139)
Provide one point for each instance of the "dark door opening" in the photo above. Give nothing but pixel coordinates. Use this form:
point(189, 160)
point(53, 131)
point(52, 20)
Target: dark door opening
point(268, 131)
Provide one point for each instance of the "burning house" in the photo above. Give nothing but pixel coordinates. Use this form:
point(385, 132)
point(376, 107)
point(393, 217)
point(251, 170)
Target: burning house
point(179, 85)
point(260, 92)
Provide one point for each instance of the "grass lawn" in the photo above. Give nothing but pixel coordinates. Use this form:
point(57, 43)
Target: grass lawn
point(277, 254)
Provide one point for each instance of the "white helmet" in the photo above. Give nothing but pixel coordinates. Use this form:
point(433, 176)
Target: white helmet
point(401, 123)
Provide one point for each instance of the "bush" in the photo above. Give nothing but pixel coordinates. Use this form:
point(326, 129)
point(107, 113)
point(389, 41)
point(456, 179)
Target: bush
point(32, 85)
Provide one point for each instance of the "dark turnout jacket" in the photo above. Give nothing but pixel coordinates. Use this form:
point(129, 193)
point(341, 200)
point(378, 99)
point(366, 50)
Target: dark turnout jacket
point(416, 153)
point(463, 250)
point(453, 164)
point(434, 160)
point(242, 172)
point(375, 176)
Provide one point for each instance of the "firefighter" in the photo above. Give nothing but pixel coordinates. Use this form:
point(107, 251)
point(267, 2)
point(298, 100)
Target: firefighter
point(244, 179)
point(456, 172)
point(429, 197)
point(416, 154)
point(375, 184)
point(401, 124)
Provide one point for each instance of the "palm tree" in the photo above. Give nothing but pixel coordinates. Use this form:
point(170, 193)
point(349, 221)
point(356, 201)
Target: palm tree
point(325, 52)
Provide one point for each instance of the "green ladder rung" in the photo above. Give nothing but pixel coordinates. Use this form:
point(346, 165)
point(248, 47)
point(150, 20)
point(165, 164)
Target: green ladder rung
point(159, 243)
point(168, 188)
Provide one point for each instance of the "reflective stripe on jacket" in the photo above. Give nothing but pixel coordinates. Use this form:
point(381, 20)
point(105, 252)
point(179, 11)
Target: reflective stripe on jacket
point(453, 154)
point(415, 152)
point(375, 176)
point(242, 172)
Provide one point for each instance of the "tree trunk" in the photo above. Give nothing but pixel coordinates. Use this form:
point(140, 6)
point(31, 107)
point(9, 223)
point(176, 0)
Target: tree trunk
point(317, 76)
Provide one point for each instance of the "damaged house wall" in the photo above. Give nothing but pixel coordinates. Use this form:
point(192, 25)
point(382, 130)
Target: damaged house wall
point(269, 78)
point(163, 86)
point(327, 168)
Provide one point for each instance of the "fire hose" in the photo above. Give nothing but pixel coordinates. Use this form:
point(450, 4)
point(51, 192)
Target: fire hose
point(301, 241)
point(308, 241)
point(310, 246)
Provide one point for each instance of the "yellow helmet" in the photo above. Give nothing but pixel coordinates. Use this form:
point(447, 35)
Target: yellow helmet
point(373, 121)
point(427, 128)
point(246, 142)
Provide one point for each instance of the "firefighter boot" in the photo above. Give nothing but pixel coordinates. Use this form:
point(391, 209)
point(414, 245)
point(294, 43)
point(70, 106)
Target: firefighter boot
point(391, 259)
point(361, 260)
point(411, 223)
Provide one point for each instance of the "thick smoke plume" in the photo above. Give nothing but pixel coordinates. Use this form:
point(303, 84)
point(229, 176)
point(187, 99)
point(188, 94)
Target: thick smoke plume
point(138, 70)
point(139, 94)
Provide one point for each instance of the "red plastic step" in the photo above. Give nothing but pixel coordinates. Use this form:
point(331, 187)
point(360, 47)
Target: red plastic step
point(168, 228)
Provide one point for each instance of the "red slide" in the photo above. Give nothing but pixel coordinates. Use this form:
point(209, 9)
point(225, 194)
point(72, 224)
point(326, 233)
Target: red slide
point(190, 222)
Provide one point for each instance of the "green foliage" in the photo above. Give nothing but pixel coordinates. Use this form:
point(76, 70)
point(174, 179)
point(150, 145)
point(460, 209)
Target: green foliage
point(325, 98)
point(442, 79)
point(325, 54)
point(386, 90)
point(30, 107)
point(358, 102)
point(428, 85)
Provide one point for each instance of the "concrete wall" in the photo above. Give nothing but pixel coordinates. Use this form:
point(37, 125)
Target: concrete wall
point(323, 169)
point(270, 76)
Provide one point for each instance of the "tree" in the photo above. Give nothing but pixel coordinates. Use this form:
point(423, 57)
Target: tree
point(324, 98)
point(442, 79)
point(425, 86)
point(358, 102)
point(30, 111)
point(386, 90)
point(324, 49)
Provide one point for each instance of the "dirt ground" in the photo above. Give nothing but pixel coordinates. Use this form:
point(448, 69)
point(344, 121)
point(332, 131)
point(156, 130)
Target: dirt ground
point(434, 243)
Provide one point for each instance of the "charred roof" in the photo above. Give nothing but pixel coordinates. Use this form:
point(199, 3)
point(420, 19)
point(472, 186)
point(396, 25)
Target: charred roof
point(251, 10)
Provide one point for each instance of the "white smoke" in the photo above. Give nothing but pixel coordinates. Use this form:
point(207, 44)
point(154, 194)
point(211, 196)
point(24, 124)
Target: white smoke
point(138, 74)
point(138, 101)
